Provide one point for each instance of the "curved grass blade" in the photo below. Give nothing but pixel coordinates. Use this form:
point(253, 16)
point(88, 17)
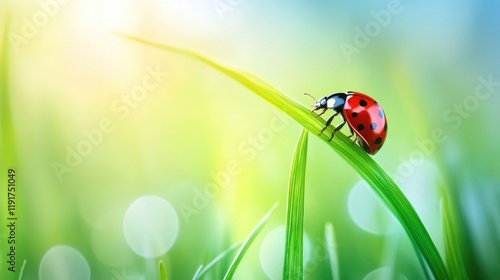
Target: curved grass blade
point(21, 273)
point(454, 257)
point(204, 269)
point(197, 274)
point(364, 165)
point(163, 270)
point(244, 247)
point(331, 249)
point(294, 258)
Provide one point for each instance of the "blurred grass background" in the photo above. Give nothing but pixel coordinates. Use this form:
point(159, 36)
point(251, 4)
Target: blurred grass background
point(197, 125)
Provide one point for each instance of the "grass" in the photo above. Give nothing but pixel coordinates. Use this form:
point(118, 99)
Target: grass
point(246, 244)
point(204, 269)
point(331, 249)
point(453, 242)
point(293, 265)
point(197, 274)
point(363, 164)
point(163, 270)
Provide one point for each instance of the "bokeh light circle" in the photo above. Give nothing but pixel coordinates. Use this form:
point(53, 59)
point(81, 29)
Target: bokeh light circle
point(421, 187)
point(272, 252)
point(150, 226)
point(368, 212)
point(62, 262)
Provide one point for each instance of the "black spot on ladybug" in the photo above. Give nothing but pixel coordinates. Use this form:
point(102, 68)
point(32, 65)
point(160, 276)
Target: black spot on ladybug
point(354, 114)
point(385, 127)
point(362, 103)
point(361, 126)
point(373, 126)
point(380, 113)
point(378, 140)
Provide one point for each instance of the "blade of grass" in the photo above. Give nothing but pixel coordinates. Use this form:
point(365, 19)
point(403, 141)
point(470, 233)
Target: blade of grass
point(248, 241)
point(21, 273)
point(454, 257)
point(216, 260)
point(331, 249)
point(366, 167)
point(197, 274)
point(293, 266)
point(163, 270)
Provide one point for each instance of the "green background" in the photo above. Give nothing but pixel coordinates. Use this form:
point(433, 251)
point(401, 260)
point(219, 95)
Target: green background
point(98, 121)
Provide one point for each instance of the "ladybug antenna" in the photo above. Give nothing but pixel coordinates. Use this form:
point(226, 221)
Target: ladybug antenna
point(305, 93)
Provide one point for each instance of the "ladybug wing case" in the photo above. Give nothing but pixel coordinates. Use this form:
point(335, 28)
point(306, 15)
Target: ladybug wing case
point(367, 119)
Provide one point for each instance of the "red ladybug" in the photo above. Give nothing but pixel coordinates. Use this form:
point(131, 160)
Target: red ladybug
point(363, 115)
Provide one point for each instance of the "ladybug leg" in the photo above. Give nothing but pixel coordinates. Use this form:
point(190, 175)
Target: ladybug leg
point(337, 128)
point(355, 138)
point(317, 115)
point(352, 133)
point(328, 122)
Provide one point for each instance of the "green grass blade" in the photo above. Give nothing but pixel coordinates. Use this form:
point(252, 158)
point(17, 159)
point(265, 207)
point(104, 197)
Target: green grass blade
point(424, 265)
point(364, 165)
point(294, 257)
point(197, 274)
point(331, 249)
point(216, 260)
point(21, 273)
point(163, 270)
point(246, 244)
point(454, 256)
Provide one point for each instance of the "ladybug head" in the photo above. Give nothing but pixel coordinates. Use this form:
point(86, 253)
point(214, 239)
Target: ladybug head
point(320, 104)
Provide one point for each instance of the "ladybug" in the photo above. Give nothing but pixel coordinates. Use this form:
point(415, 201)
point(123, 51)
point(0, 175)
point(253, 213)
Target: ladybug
point(363, 114)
